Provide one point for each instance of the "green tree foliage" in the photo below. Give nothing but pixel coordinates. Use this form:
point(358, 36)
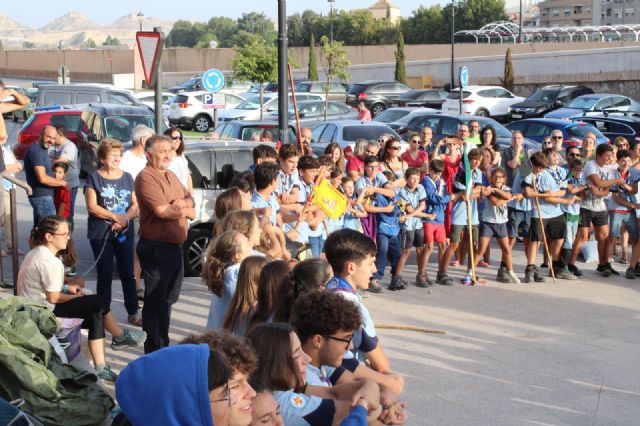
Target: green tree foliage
point(90, 43)
point(313, 66)
point(224, 28)
point(259, 24)
point(111, 41)
point(401, 71)
point(256, 62)
point(336, 64)
point(509, 78)
point(243, 38)
point(186, 34)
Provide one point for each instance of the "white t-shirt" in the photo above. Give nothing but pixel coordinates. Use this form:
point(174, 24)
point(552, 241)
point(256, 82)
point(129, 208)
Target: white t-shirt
point(180, 167)
point(593, 202)
point(132, 164)
point(40, 272)
point(9, 159)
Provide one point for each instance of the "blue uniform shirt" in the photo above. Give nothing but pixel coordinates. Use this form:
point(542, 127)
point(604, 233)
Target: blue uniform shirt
point(299, 409)
point(258, 202)
point(524, 204)
point(437, 199)
point(544, 182)
point(412, 198)
point(459, 211)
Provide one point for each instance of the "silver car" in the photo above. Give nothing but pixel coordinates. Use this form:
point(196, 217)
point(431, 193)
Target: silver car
point(311, 113)
point(346, 132)
point(593, 104)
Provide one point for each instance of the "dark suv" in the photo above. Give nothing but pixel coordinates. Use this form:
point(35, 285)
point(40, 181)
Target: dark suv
point(546, 99)
point(613, 125)
point(376, 95)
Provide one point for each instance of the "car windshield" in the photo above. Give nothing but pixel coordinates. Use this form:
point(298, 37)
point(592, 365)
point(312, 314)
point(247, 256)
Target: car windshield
point(455, 94)
point(356, 89)
point(583, 102)
point(543, 95)
point(190, 83)
point(412, 94)
point(579, 130)
point(120, 126)
point(251, 103)
point(391, 115)
point(369, 132)
point(303, 87)
point(501, 131)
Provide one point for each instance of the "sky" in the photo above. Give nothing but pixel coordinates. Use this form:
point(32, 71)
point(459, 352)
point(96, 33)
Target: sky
point(41, 12)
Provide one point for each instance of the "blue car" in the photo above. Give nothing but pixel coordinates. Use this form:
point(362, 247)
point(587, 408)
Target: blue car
point(573, 132)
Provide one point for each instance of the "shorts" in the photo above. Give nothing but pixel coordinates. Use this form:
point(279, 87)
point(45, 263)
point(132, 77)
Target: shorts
point(411, 238)
point(631, 224)
point(456, 232)
point(488, 230)
point(615, 223)
point(587, 217)
point(518, 219)
point(555, 228)
point(434, 233)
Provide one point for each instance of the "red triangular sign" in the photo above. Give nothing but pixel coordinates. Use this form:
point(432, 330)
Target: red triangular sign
point(150, 48)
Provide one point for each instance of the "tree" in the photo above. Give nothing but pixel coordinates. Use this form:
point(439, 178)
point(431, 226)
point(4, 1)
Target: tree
point(401, 71)
point(111, 41)
point(313, 66)
point(508, 81)
point(295, 30)
point(90, 43)
point(256, 62)
point(259, 24)
point(186, 34)
point(336, 65)
point(244, 38)
point(223, 28)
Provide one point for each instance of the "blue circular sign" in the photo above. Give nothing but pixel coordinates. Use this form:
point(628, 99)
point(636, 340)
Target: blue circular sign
point(464, 77)
point(213, 80)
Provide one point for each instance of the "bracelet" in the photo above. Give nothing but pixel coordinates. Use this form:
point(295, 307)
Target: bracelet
point(65, 288)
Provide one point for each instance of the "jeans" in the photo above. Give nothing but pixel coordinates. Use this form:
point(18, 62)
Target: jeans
point(72, 207)
point(123, 252)
point(388, 249)
point(42, 207)
point(317, 244)
point(572, 231)
point(162, 271)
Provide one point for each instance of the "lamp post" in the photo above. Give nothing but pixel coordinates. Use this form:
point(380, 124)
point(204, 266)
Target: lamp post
point(520, 26)
point(140, 18)
point(331, 2)
point(453, 30)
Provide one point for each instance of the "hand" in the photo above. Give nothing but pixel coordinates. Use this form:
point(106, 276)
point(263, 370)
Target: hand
point(189, 212)
point(430, 216)
point(78, 281)
point(369, 391)
point(487, 190)
point(517, 197)
point(74, 289)
point(393, 414)
point(389, 208)
point(408, 208)
point(620, 182)
point(179, 204)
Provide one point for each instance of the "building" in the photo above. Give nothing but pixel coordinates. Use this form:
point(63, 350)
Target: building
point(381, 8)
point(569, 13)
point(618, 12)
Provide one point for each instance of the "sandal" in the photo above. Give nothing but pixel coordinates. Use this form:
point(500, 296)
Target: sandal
point(134, 320)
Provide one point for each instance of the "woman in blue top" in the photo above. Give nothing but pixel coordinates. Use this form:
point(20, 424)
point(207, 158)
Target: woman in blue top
point(111, 204)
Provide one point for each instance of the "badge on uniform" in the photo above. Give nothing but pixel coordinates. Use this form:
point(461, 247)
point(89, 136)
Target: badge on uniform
point(298, 401)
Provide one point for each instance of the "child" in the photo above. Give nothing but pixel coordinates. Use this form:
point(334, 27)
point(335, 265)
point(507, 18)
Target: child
point(265, 202)
point(575, 187)
point(355, 211)
point(289, 182)
point(304, 230)
point(618, 212)
point(263, 154)
point(61, 196)
point(437, 199)
point(243, 302)
point(220, 272)
point(413, 197)
point(459, 213)
point(494, 224)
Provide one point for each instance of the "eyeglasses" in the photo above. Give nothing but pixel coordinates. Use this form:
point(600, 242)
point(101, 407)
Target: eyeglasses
point(62, 234)
point(556, 137)
point(338, 339)
point(176, 138)
point(395, 148)
point(573, 154)
point(415, 141)
point(114, 156)
point(548, 143)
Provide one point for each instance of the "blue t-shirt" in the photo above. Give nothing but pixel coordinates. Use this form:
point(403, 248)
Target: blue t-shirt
point(288, 182)
point(524, 204)
point(258, 202)
point(377, 182)
point(437, 199)
point(219, 305)
point(574, 208)
point(459, 211)
point(38, 156)
point(326, 375)
point(412, 198)
point(298, 409)
point(114, 195)
point(388, 222)
point(544, 182)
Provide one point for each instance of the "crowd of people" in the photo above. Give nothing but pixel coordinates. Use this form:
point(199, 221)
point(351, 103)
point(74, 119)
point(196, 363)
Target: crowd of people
point(289, 339)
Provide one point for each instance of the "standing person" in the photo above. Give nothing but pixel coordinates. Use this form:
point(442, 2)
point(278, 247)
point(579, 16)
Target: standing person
point(618, 208)
point(363, 113)
point(11, 166)
point(451, 158)
point(336, 153)
point(415, 157)
point(179, 164)
point(65, 151)
point(390, 160)
point(474, 133)
point(305, 140)
point(112, 205)
point(355, 163)
point(575, 188)
point(426, 134)
point(588, 147)
point(244, 300)
point(165, 206)
point(37, 166)
point(488, 140)
point(513, 157)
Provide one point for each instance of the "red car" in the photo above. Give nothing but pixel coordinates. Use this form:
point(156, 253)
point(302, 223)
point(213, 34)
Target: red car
point(32, 128)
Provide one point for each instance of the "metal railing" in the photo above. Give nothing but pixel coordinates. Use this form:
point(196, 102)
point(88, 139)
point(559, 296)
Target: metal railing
point(14, 227)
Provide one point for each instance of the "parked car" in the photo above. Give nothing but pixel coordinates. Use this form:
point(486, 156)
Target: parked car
point(109, 121)
point(212, 167)
point(483, 101)
point(190, 85)
point(250, 108)
point(311, 113)
point(444, 125)
point(249, 130)
point(546, 99)
point(399, 116)
point(23, 113)
point(187, 110)
point(346, 132)
point(75, 94)
point(32, 128)
point(428, 98)
point(614, 125)
point(337, 90)
point(595, 104)
point(149, 98)
point(572, 131)
point(376, 95)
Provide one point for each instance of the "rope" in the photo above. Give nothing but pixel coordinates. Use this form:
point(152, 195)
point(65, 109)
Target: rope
point(104, 245)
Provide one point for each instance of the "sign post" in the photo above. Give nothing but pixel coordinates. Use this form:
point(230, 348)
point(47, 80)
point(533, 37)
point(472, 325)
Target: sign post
point(150, 44)
point(464, 82)
point(213, 81)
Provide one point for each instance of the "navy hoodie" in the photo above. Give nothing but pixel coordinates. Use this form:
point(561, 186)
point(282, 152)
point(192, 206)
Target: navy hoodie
point(167, 387)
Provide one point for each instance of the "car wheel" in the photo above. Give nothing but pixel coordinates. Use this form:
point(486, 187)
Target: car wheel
point(377, 109)
point(201, 123)
point(482, 113)
point(194, 249)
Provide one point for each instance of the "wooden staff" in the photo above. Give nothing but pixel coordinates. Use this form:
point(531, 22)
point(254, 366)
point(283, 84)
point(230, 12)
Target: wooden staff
point(295, 110)
point(474, 278)
point(544, 234)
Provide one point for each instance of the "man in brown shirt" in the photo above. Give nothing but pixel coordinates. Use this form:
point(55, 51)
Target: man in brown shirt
point(165, 206)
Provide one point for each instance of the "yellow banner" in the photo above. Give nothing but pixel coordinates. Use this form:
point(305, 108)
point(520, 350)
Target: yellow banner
point(329, 199)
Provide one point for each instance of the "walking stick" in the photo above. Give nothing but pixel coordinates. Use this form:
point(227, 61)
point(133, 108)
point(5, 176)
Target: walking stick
point(544, 234)
point(295, 109)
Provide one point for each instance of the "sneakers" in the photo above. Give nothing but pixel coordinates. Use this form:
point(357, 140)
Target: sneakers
point(106, 374)
point(606, 270)
point(536, 275)
point(444, 279)
point(502, 276)
point(630, 274)
point(574, 270)
point(128, 339)
point(564, 274)
point(374, 286)
point(513, 277)
point(70, 271)
point(531, 273)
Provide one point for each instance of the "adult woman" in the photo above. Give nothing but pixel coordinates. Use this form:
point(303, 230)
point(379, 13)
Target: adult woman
point(179, 164)
point(111, 204)
point(41, 278)
point(588, 148)
point(337, 155)
point(488, 140)
point(355, 163)
point(415, 157)
point(390, 159)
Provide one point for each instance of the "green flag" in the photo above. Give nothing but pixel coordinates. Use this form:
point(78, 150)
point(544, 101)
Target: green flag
point(468, 173)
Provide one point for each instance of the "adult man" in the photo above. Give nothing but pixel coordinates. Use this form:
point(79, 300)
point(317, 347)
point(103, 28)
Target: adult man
point(474, 132)
point(165, 206)
point(513, 157)
point(426, 134)
point(305, 139)
point(65, 151)
point(37, 166)
point(134, 159)
point(363, 113)
point(463, 135)
point(557, 139)
point(593, 210)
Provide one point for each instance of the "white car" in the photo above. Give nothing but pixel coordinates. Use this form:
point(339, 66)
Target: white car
point(250, 108)
point(148, 98)
point(187, 110)
point(485, 101)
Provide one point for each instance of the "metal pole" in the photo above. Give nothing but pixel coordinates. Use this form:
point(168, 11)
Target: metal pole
point(520, 28)
point(283, 92)
point(453, 28)
point(158, 89)
point(14, 239)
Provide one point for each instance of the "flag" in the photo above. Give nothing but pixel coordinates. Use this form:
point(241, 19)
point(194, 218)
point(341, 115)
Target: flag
point(468, 173)
point(333, 202)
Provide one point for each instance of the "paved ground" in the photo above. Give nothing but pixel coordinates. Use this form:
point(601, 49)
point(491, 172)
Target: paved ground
point(540, 354)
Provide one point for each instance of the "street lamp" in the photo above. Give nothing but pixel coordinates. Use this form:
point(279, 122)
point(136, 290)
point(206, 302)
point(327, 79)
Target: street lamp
point(331, 2)
point(453, 30)
point(520, 26)
point(140, 18)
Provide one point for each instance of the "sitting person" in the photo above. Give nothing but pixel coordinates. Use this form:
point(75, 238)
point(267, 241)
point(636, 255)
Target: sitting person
point(265, 409)
point(41, 278)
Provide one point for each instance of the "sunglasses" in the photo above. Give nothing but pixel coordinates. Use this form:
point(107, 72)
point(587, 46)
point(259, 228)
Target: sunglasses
point(395, 148)
point(415, 141)
point(556, 137)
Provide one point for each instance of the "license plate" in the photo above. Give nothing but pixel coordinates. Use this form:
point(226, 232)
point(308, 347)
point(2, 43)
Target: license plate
point(516, 115)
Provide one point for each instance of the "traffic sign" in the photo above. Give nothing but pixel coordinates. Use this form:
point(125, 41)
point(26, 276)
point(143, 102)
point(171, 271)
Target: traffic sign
point(213, 80)
point(211, 100)
point(464, 77)
point(150, 48)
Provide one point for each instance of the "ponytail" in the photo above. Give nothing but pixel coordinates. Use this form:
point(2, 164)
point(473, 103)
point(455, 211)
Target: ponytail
point(220, 252)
